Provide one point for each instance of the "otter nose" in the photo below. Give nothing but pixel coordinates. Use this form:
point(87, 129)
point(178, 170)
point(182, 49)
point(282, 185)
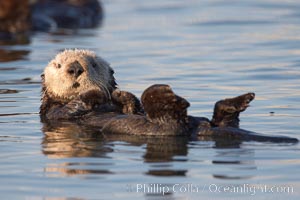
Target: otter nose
point(75, 70)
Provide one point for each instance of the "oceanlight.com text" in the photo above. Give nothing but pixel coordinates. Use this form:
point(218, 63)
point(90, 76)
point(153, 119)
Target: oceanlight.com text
point(250, 189)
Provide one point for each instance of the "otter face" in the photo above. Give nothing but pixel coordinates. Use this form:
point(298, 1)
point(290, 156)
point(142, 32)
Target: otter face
point(73, 72)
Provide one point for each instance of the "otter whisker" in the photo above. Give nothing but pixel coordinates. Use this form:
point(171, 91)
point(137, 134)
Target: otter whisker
point(100, 84)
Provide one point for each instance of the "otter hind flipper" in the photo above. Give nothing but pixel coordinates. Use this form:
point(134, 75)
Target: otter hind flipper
point(227, 111)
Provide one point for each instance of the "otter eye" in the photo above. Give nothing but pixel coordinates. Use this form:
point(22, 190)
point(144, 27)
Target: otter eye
point(94, 65)
point(57, 65)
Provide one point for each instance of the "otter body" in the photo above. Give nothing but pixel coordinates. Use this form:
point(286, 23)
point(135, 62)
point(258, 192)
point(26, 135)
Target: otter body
point(80, 86)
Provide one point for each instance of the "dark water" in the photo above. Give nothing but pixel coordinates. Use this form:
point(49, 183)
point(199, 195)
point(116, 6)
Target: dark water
point(207, 50)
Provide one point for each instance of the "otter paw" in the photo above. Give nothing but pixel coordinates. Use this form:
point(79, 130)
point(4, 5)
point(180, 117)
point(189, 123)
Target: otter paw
point(93, 97)
point(128, 102)
point(160, 101)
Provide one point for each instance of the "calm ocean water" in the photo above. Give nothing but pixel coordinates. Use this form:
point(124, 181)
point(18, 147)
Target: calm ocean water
point(206, 50)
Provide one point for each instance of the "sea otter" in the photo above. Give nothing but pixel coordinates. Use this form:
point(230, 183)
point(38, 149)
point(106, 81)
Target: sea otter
point(19, 18)
point(14, 21)
point(78, 85)
point(47, 15)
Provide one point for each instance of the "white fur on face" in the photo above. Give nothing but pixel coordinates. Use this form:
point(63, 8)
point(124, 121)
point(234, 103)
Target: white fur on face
point(96, 75)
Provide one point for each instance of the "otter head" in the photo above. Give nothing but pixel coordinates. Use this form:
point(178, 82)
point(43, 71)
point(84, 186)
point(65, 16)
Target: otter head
point(73, 72)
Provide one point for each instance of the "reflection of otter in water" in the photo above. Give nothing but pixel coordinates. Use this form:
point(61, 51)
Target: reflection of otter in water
point(80, 86)
point(70, 139)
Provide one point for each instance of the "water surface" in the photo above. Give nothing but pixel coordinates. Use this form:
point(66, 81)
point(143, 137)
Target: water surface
point(206, 50)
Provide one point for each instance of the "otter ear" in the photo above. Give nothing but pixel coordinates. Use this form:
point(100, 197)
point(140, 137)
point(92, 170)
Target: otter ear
point(94, 63)
point(43, 77)
point(111, 71)
point(112, 81)
point(43, 83)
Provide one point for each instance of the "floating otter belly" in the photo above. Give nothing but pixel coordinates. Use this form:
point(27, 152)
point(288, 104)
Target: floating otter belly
point(80, 86)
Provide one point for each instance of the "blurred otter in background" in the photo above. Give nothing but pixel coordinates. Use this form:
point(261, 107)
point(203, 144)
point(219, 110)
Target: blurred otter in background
point(15, 21)
point(19, 18)
point(72, 14)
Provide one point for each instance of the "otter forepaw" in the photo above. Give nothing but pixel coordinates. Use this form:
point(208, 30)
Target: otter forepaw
point(128, 102)
point(93, 97)
point(160, 101)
